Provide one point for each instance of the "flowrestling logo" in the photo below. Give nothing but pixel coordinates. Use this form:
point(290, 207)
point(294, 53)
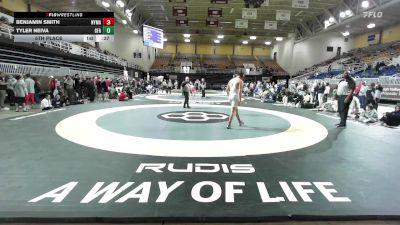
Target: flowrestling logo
point(371, 14)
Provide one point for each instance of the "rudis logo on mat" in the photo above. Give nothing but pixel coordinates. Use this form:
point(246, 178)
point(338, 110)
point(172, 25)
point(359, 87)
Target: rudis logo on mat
point(145, 192)
point(196, 168)
point(194, 117)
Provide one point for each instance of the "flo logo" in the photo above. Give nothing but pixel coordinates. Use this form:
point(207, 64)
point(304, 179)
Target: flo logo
point(194, 117)
point(371, 14)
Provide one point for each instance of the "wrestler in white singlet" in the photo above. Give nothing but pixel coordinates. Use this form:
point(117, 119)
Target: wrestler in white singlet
point(234, 90)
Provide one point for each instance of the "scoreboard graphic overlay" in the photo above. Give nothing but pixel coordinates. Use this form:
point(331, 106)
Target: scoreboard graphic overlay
point(64, 26)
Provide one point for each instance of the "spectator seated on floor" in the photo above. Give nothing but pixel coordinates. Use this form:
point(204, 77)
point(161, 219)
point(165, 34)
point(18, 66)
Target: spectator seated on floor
point(57, 102)
point(123, 97)
point(297, 100)
point(45, 104)
point(307, 101)
point(330, 106)
point(113, 92)
point(370, 115)
point(268, 97)
point(392, 118)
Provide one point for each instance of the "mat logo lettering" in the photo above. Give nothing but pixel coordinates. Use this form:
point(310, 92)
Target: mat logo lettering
point(195, 167)
point(194, 117)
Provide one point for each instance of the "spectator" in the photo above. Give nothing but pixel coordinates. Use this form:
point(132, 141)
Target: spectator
point(392, 118)
point(38, 89)
point(123, 96)
point(370, 115)
point(370, 94)
point(45, 104)
point(3, 92)
point(52, 84)
point(106, 88)
point(57, 102)
point(69, 88)
point(78, 86)
point(10, 90)
point(90, 89)
point(99, 88)
point(203, 86)
point(326, 92)
point(321, 91)
point(362, 95)
point(378, 94)
point(169, 86)
point(30, 87)
point(20, 93)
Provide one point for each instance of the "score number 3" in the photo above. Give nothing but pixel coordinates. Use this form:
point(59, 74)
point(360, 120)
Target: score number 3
point(108, 21)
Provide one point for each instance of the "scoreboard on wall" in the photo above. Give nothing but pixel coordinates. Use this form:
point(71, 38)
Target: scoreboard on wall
point(63, 26)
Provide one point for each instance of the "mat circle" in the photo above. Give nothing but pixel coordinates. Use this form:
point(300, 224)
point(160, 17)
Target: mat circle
point(303, 132)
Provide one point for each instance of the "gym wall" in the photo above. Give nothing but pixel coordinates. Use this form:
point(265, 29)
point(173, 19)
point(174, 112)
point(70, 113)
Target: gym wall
point(126, 43)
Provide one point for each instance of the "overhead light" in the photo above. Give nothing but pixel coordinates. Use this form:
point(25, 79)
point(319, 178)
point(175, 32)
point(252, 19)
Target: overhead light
point(135, 31)
point(348, 12)
point(217, 41)
point(162, 8)
point(127, 11)
point(120, 3)
point(187, 40)
point(346, 33)
point(232, 10)
point(342, 14)
point(124, 22)
point(129, 14)
point(220, 36)
point(165, 39)
point(105, 4)
point(365, 4)
point(267, 43)
point(186, 35)
point(331, 19)
point(371, 25)
point(253, 37)
point(279, 38)
point(245, 42)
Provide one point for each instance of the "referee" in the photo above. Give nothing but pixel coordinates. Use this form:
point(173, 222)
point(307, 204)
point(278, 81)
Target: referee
point(344, 93)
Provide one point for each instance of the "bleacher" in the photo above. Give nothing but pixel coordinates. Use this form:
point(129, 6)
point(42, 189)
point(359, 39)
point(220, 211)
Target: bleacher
point(272, 66)
point(162, 61)
point(369, 62)
point(217, 62)
point(194, 58)
point(239, 61)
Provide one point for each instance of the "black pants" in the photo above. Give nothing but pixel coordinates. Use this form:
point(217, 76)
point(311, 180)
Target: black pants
point(203, 93)
point(370, 102)
point(186, 103)
point(377, 100)
point(11, 97)
point(343, 109)
point(71, 95)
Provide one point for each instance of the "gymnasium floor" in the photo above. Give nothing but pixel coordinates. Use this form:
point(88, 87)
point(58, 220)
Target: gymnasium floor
point(150, 160)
